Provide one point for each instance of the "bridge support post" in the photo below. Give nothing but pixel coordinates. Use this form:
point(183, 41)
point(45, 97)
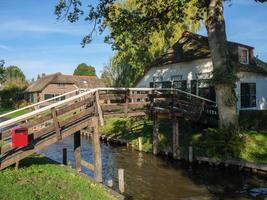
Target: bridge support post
point(155, 133)
point(77, 150)
point(175, 139)
point(97, 151)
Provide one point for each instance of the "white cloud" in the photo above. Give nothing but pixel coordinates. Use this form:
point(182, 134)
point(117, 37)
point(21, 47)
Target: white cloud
point(27, 26)
point(4, 47)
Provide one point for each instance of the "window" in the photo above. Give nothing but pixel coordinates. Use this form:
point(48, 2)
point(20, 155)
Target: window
point(163, 84)
point(181, 85)
point(61, 85)
point(203, 88)
point(248, 95)
point(48, 96)
point(243, 55)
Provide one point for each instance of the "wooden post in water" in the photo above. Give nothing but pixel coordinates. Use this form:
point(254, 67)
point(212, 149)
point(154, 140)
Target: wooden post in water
point(155, 133)
point(121, 180)
point(97, 151)
point(64, 158)
point(190, 154)
point(17, 165)
point(77, 150)
point(175, 139)
point(140, 145)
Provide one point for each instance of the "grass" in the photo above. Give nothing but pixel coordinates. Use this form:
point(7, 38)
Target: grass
point(40, 179)
point(223, 144)
point(13, 115)
point(131, 129)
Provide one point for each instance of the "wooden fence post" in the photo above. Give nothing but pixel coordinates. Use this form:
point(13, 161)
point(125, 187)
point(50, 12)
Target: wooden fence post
point(121, 180)
point(64, 159)
point(175, 139)
point(77, 150)
point(155, 133)
point(97, 152)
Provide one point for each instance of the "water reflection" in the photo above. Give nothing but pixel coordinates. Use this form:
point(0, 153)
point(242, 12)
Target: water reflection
point(151, 178)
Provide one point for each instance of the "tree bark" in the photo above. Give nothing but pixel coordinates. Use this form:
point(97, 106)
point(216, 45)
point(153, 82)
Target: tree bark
point(225, 94)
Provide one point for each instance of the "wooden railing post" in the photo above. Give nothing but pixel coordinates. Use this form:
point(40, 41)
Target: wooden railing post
point(97, 151)
point(56, 123)
point(155, 133)
point(126, 107)
point(99, 110)
point(77, 150)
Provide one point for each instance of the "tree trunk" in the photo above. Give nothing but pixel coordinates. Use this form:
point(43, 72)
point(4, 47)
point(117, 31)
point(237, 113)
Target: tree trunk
point(225, 94)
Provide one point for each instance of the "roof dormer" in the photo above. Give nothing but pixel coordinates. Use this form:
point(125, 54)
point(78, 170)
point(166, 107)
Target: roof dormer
point(243, 55)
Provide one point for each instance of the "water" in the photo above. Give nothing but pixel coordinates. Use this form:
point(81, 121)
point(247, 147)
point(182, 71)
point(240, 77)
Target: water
point(151, 178)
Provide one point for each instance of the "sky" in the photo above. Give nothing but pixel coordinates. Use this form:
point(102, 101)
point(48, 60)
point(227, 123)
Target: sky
point(32, 38)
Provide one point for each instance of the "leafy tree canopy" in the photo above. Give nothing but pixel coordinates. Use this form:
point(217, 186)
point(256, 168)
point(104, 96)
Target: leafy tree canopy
point(14, 76)
point(84, 70)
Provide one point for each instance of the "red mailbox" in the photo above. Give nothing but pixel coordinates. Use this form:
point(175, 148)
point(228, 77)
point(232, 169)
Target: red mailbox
point(19, 137)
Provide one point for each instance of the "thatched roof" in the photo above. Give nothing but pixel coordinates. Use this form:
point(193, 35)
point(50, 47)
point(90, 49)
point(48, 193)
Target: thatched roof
point(58, 78)
point(192, 46)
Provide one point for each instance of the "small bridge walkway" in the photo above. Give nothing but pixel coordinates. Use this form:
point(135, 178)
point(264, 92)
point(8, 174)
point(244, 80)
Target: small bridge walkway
point(57, 120)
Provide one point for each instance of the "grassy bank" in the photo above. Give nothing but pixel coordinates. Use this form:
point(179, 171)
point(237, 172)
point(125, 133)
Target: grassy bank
point(41, 179)
point(225, 144)
point(13, 115)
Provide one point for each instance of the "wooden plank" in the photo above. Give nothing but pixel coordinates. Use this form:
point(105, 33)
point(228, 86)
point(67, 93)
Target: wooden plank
point(75, 105)
point(43, 143)
point(88, 111)
point(87, 165)
point(138, 96)
point(56, 123)
point(97, 151)
point(99, 110)
point(77, 150)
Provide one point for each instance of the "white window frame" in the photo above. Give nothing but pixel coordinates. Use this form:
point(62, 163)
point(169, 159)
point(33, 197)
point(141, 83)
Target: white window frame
point(240, 49)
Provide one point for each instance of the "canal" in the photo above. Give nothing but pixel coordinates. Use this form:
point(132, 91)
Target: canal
point(152, 178)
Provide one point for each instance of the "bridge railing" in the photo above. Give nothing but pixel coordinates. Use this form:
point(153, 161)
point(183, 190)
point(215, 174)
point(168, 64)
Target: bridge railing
point(48, 124)
point(44, 103)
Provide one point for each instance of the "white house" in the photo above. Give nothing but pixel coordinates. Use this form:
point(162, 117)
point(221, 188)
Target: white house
point(188, 66)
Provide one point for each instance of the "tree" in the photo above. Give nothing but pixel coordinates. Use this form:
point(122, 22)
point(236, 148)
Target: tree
point(2, 71)
point(134, 56)
point(13, 88)
point(14, 76)
point(154, 15)
point(84, 70)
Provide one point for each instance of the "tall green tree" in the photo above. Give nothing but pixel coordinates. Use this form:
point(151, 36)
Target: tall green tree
point(2, 71)
point(84, 70)
point(155, 15)
point(14, 85)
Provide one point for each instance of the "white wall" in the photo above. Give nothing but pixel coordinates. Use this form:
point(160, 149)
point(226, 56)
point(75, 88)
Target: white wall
point(187, 69)
point(261, 89)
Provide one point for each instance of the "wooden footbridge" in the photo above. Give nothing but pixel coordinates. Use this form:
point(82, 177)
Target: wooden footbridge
point(57, 120)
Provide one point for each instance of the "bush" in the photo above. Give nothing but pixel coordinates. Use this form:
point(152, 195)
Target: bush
point(219, 143)
point(227, 144)
point(253, 119)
